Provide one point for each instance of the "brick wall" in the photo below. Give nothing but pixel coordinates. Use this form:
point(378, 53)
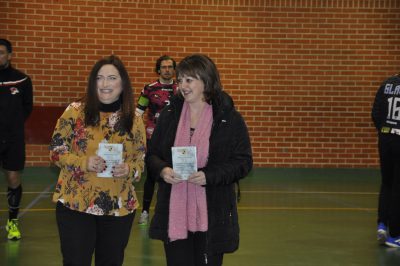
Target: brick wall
point(302, 72)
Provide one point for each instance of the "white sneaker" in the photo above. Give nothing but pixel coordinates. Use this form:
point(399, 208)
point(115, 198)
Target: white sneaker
point(382, 233)
point(144, 218)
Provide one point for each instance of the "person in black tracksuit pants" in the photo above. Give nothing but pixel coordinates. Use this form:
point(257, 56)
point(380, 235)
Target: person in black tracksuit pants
point(153, 98)
point(229, 160)
point(16, 103)
point(386, 118)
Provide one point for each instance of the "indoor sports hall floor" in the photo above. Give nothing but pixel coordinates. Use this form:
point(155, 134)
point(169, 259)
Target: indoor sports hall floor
point(296, 217)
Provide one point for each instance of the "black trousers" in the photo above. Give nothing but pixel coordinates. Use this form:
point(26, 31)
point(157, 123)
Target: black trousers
point(148, 188)
point(148, 192)
point(83, 234)
point(191, 252)
point(389, 195)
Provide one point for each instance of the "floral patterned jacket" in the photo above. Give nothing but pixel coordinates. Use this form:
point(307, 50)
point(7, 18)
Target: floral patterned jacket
point(72, 143)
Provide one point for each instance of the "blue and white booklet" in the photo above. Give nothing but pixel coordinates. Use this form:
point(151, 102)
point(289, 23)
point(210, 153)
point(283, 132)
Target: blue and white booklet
point(112, 154)
point(184, 161)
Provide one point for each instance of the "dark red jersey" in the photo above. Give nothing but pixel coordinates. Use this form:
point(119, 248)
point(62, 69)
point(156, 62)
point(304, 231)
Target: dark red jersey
point(154, 96)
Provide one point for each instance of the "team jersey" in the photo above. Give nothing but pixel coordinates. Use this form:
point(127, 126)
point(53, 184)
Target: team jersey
point(386, 108)
point(154, 96)
point(16, 102)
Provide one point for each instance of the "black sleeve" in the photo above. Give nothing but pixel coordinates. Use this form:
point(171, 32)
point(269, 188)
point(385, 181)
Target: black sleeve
point(158, 153)
point(27, 100)
point(238, 161)
point(377, 114)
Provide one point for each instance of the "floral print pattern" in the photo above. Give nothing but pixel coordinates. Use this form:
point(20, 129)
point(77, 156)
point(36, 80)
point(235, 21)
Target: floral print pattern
point(72, 143)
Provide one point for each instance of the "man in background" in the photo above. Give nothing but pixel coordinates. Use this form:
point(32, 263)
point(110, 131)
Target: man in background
point(154, 97)
point(16, 101)
point(386, 118)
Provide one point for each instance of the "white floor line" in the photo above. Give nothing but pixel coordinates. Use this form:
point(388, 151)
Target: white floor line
point(33, 202)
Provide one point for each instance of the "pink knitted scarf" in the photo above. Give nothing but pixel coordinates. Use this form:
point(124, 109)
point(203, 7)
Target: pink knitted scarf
point(188, 204)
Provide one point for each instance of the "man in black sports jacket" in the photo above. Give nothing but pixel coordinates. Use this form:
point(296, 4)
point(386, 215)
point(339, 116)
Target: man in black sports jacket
point(16, 101)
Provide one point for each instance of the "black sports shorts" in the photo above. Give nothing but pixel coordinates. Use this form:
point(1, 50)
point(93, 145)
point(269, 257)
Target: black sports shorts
point(12, 155)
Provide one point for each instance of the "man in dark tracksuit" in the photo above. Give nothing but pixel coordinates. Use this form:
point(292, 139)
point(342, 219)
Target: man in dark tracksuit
point(386, 118)
point(15, 106)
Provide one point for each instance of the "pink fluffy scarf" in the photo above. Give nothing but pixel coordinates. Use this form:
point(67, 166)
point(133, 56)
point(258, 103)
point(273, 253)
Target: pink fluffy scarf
point(188, 204)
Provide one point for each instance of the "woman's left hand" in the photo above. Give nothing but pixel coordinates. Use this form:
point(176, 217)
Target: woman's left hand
point(198, 178)
point(120, 170)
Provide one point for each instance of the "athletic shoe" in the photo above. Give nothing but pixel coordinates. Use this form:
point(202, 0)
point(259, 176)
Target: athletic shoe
point(393, 242)
point(382, 233)
point(12, 229)
point(144, 218)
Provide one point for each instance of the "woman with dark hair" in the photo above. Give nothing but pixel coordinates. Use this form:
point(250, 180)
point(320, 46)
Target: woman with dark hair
point(99, 145)
point(197, 218)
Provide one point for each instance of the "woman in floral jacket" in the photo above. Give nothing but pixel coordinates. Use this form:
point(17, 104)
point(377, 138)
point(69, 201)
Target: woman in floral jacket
point(96, 199)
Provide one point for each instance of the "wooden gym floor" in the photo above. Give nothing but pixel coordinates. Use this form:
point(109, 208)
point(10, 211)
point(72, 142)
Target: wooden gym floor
point(296, 217)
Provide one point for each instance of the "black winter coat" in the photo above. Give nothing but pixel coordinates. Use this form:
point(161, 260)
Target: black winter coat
point(230, 159)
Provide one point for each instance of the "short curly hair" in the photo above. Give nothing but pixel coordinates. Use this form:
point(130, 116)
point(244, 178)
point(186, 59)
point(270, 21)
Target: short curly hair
point(163, 58)
point(7, 44)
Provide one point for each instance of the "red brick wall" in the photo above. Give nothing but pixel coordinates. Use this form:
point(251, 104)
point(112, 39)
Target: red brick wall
point(302, 73)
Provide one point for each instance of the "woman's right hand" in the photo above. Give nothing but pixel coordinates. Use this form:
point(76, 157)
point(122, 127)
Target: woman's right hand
point(96, 164)
point(169, 176)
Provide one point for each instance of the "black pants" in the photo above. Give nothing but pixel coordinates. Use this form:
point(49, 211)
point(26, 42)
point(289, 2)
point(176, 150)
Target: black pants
point(148, 191)
point(191, 252)
point(82, 234)
point(148, 188)
point(389, 196)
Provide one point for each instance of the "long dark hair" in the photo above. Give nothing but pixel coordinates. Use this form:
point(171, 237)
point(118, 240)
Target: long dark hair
point(201, 67)
point(92, 103)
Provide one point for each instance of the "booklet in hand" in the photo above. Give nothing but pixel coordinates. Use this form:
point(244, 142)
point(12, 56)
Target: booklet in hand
point(184, 161)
